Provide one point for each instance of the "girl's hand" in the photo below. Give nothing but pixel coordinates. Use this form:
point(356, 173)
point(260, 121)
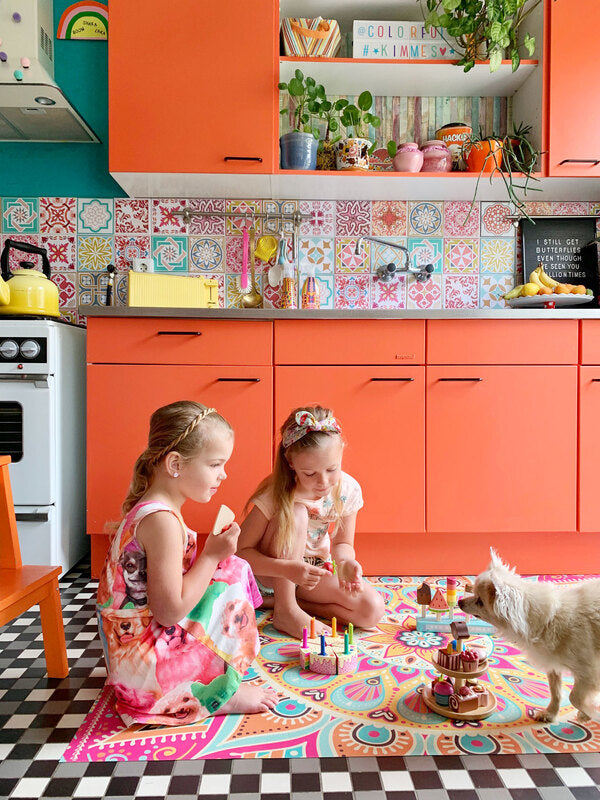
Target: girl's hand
point(302, 574)
point(222, 545)
point(350, 576)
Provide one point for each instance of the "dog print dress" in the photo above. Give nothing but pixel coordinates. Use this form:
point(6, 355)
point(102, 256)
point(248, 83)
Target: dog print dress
point(184, 672)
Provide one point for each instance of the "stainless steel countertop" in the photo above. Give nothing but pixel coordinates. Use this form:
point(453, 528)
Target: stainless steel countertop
point(270, 313)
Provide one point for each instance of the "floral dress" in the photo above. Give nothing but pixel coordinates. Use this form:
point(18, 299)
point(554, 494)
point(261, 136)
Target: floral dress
point(176, 674)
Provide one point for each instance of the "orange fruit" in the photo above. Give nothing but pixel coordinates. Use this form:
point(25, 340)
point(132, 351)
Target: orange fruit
point(562, 288)
point(545, 290)
point(578, 289)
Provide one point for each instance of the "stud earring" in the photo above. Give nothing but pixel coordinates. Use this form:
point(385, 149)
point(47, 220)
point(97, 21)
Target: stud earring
point(175, 474)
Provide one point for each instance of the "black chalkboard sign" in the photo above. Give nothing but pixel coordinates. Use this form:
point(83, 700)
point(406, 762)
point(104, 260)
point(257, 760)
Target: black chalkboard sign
point(566, 248)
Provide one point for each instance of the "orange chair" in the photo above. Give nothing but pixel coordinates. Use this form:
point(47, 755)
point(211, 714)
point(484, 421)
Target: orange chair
point(22, 587)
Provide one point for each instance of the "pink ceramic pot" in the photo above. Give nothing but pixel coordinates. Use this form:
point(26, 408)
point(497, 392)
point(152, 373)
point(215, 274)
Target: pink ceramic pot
point(436, 157)
point(408, 158)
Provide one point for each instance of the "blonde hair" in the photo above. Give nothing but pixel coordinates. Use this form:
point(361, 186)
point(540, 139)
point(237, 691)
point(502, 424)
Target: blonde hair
point(282, 481)
point(185, 427)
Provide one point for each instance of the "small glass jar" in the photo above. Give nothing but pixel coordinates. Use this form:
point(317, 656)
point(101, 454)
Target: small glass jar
point(436, 157)
point(408, 158)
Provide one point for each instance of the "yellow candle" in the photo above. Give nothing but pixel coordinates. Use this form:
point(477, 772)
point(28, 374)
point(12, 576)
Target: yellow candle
point(334, 627)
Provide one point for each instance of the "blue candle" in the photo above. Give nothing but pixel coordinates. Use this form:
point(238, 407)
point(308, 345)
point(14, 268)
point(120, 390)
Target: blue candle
point(346, 648)
point(322, 644)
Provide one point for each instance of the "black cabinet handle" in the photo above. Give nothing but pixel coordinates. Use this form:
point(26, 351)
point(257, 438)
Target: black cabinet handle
point(460, 379)
point(243, 158)
point(179, 333)
point(595, 380)
point(592, 161)
point(392, 379)
point(244, 380)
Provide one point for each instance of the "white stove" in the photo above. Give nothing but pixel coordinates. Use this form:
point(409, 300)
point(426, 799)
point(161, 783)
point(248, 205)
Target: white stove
point(42, 428)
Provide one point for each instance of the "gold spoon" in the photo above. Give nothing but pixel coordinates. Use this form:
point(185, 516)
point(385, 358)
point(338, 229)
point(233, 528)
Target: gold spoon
point(253, 298)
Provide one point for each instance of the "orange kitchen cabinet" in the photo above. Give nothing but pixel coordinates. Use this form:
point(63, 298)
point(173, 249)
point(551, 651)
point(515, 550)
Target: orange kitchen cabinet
point(589, 448)
point(121, 398)
point(381, 411)
point(495, 463)
point(193, 86)
point(571, 82)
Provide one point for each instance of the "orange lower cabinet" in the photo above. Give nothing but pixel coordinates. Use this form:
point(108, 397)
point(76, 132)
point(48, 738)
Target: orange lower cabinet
point(589, 448)
point(495, 461)
point(381, 410)
point(121, 399)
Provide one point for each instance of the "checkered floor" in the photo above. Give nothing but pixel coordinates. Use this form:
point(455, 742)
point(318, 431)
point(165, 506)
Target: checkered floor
point(39, 716)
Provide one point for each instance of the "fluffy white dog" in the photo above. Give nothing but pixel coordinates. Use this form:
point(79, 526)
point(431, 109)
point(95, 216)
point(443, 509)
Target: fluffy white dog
point(557, 627)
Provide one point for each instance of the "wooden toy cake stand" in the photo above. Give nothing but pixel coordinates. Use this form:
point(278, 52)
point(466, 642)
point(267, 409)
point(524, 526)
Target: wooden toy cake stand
point(459, 680)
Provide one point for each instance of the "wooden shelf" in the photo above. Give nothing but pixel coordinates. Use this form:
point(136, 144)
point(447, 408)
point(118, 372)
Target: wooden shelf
point(409, 78)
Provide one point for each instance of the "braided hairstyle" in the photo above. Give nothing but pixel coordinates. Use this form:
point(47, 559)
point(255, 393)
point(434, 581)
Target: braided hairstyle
point(184, 426)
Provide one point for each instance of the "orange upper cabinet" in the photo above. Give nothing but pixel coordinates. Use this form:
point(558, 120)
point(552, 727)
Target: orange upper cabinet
point(572, 88)
point(192, 86)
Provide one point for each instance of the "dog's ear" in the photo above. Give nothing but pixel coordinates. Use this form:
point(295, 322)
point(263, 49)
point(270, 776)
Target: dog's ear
point(497, 563)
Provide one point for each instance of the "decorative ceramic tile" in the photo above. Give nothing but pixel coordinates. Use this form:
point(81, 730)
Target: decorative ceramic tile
point(271, 296)
point(538, 207)
point(494, 220)
point(322, 218)
point(318, 251)
point(426, 251)
point(207, 254)
point(62, 252)
point(461, 218)
point(169, 253)
point(346, 258)
point(569, 208)
point(326, 283)
point(383, 254)
point(233, 253)
point(424, 219)
point(94, 252)
point(391, 294)
point(20, 215)
point(120, 289)
point(129, 247)
point(461, 255)
point(461, 291)
point(497, 255)
point(352, 291)
point(163, 218)
point(91, 288)
point(353, 218)
point(67, 289)
point(492, 287)
point(279, 207)
point(207, 226)
point(132, 215)
point(58, 215)
point(389, 217)
point(424, 294)
point(233, 294)
point(236, 225)
point(95, 216)
point(220, 278)
point(595, 208)
point(69, 315)
point(16, 256)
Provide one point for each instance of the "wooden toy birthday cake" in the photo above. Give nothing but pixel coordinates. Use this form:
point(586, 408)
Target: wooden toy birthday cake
point(328, 655)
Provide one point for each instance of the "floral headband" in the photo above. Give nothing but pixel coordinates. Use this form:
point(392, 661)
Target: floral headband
point(305, 423)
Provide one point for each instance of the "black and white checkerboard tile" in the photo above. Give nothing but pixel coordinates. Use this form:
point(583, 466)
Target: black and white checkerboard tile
point(39, 716)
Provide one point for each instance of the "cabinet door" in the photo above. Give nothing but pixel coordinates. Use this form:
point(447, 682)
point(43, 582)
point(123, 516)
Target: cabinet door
point(501, 448)
point(191, 84)
point(589, 448)
point(572, 86)
point(121, 399)
point(381, 411)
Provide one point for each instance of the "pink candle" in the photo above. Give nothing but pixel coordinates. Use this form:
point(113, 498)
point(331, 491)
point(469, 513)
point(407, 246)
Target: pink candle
point(305, 637)
point(244, 276)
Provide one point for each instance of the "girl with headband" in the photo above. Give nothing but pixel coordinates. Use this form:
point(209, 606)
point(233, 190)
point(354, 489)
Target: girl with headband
point(303, 518)
point(177, 623)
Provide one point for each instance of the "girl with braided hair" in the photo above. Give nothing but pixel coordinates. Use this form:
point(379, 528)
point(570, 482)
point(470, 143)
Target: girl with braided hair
point(177, 623)
point(304, 514)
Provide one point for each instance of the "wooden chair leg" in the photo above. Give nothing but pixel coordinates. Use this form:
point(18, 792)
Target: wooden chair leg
point(53, 633)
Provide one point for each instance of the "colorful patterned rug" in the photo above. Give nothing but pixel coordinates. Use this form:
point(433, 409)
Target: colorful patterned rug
point(376, 712)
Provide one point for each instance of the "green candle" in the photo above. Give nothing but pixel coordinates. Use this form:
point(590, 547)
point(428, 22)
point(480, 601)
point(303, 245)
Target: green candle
point(350, 633)
point(346, 643)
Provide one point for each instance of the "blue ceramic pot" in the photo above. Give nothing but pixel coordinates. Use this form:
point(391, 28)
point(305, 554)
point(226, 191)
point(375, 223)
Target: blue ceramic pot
point(298, 150)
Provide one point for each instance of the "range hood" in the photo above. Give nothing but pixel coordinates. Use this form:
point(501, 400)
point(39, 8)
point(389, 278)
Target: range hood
point(33, 109)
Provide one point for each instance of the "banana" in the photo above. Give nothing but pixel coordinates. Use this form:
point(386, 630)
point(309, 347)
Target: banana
point(546, 279)
point(534, 277)
point(516, 292)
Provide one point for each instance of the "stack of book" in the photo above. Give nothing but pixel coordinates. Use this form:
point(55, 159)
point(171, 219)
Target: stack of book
point(399, 40)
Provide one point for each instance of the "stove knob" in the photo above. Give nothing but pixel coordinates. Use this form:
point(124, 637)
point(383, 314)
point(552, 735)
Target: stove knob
point(30, 348)
point(8, 348)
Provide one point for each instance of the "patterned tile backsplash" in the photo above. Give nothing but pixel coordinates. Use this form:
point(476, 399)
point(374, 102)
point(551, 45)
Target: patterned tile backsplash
point(474, 251)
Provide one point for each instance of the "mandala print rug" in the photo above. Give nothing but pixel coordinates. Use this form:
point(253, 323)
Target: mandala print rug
point(378, 711)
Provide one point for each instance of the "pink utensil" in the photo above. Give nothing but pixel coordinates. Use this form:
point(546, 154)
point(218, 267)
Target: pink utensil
point(245, 245)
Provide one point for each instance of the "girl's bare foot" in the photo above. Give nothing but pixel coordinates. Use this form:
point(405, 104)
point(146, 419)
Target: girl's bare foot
point(293, 620)
point(250, 700)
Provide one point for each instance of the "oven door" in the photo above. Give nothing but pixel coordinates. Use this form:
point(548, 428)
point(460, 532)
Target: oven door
point(28, 436)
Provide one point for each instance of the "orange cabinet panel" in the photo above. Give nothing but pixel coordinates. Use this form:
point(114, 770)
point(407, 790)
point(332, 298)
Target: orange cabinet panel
point(493, 462)
point(494, 341)
point(192, 84)
point(352, 341)
point(121, 399)
point(590, 341)
point(381, 410)
point(154, 340)
point(589, 448)
point(572, 89)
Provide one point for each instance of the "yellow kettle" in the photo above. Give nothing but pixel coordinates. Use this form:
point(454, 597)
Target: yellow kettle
point(27, 291)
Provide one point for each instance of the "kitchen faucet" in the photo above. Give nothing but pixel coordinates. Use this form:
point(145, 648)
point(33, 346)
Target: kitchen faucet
point(386, 272)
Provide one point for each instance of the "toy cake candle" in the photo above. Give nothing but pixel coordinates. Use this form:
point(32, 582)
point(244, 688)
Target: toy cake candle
point(329, 655)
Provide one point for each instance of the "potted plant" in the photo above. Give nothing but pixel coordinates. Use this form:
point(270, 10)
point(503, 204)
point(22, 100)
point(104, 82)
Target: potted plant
point(299, 146)
point(488, 29)
point(353, 153)
point(328, 111)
